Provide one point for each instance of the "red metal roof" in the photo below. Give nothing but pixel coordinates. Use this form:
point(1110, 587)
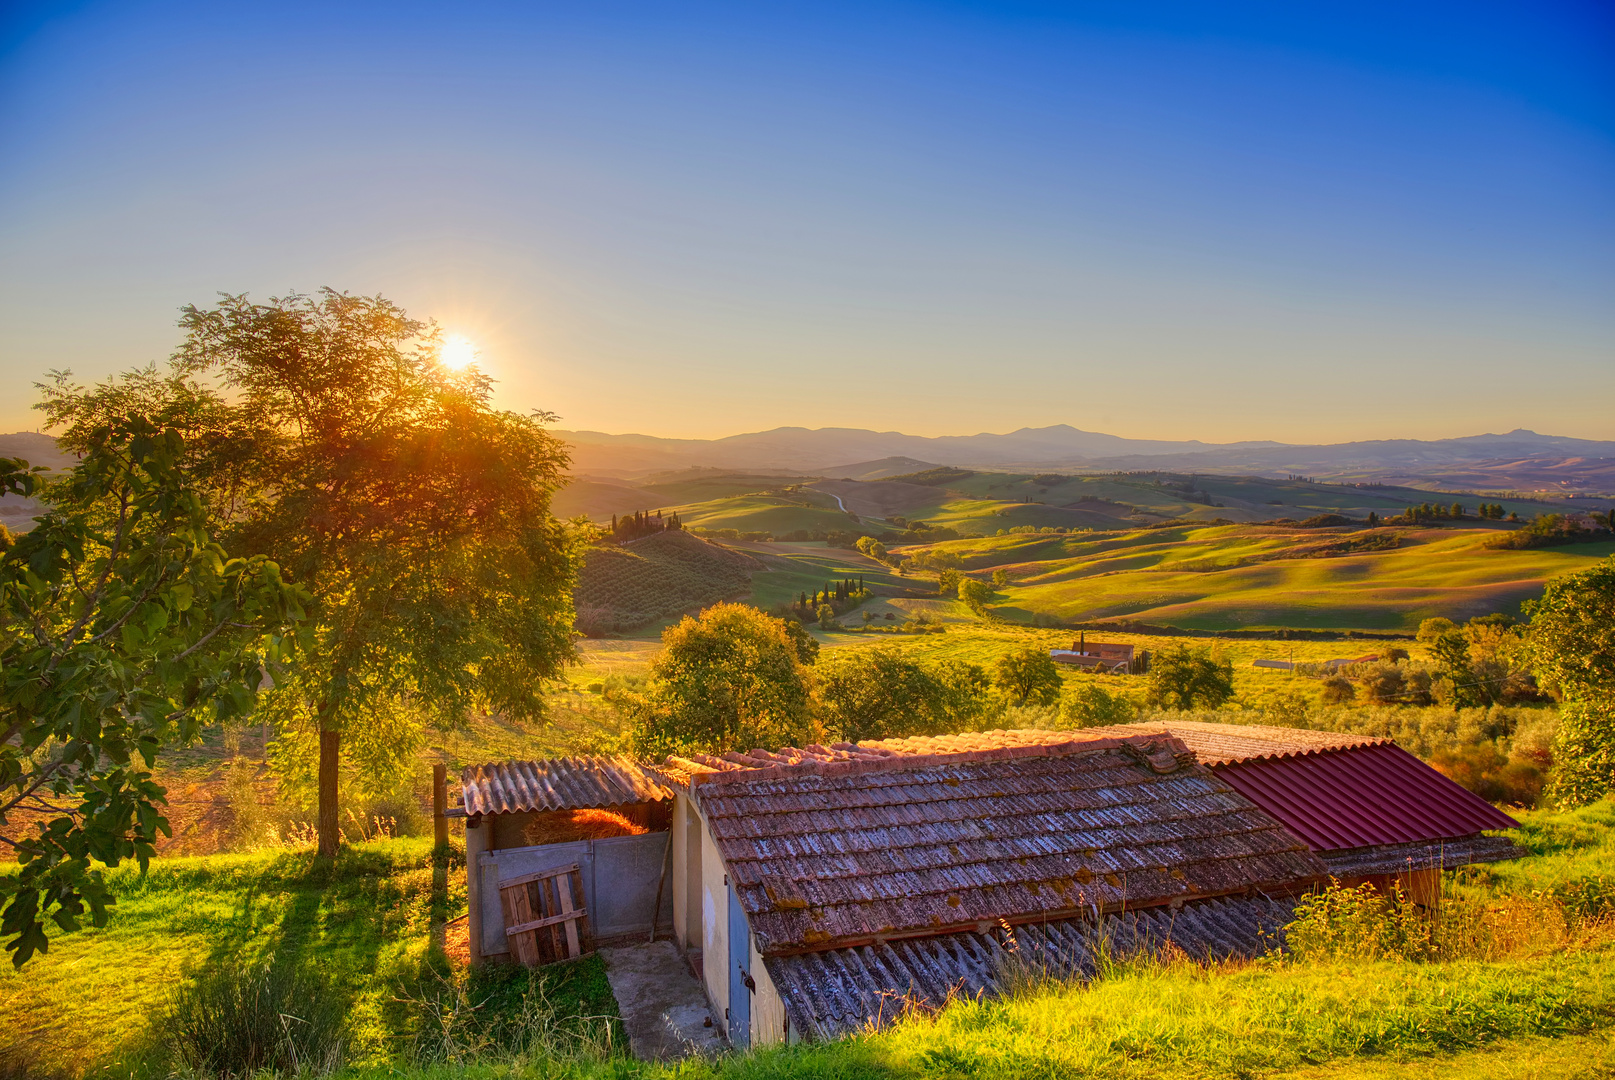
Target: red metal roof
point(1362, 796)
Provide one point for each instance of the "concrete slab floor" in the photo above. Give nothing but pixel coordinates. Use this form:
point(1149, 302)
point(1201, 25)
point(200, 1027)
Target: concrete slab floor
point(663, 1007)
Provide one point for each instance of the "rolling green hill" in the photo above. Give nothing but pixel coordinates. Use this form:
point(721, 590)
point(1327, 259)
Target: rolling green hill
point(1261, 577)
point(626, 586)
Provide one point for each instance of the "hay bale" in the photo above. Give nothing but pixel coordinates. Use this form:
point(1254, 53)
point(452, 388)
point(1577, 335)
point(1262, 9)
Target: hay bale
point(567, 826)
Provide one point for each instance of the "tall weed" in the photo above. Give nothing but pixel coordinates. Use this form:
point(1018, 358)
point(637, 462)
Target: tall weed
point(237, 1020)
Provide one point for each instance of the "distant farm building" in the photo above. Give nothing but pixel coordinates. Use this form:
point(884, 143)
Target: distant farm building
point(1094, 656)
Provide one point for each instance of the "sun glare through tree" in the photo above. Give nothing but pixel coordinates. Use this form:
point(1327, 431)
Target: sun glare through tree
point(458, 352)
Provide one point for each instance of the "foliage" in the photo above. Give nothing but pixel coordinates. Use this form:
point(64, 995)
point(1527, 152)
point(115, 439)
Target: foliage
point(1028, 675)
point(975, 594)
point(935, 477)
point(877, 693)
point(1492, 774)
point(1584, 754)
point(839, 597)
point(730, 679)
point(125, 626)
point(1185, 678)
point(417, 516)
point(1571, 644)
point(1090, 705)
point(1338, 690)
point(624, 587)
point(640, 524)
point(1553, 530)
point(236, 1019)
point(1571, 637)
point(1362, 924)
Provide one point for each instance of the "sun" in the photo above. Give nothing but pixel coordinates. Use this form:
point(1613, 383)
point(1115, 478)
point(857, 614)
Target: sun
point(457, 352)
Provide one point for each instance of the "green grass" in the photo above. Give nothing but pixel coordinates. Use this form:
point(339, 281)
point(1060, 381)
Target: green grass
point(373, 924)
point(1225, 577)
point(1184, 1022)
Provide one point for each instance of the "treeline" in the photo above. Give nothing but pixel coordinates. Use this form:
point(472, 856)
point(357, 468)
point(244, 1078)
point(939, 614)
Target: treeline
point(641, 524)
point(734, 678)
point(836, 598)
point(1552, 530)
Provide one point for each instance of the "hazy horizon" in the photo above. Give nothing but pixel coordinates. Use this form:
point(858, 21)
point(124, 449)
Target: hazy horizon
point(1247, 222)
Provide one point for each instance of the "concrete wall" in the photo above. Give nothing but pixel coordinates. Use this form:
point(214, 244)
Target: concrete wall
point(767, 1007)
point(714, 926)
point(476, 842)
point(687, 826)
point(620, 874)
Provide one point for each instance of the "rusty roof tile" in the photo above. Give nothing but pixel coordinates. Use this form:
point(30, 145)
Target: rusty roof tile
point(827, 852)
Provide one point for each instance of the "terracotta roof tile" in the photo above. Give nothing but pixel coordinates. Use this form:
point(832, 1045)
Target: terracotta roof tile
point(878, 846)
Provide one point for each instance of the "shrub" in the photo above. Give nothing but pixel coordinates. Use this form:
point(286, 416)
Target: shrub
point(1491, 774)
point(1091, 705)
point(1338, 690)
point(1363, 924)
point(733, 678)
point(235, 1020)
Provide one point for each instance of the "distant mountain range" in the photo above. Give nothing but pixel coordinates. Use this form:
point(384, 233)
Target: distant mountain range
point(1518, 460)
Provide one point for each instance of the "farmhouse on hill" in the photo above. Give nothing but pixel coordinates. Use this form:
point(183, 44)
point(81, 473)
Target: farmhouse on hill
point(1095, 656)
point(818, 891)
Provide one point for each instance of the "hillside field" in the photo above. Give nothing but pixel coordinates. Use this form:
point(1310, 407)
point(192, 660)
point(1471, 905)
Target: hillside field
point(381, 922)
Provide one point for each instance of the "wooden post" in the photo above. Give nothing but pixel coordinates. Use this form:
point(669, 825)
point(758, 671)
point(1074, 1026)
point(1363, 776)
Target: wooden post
point(440, 805)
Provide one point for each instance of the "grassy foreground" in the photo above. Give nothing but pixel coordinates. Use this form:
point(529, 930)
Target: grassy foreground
point(376, 925)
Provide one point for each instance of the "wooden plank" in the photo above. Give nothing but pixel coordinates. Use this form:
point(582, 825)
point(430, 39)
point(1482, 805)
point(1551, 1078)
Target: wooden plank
point(553, 931)
point(563, 886)
point(505, 883)
point(585, 935)
point(518, 909)
point(551, 920)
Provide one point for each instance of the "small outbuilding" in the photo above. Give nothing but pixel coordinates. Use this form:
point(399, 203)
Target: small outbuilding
point(527, 820)
point(821, 889)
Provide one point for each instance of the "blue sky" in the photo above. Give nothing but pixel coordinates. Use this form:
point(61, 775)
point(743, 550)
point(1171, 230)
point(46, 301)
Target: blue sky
point(1307, 222)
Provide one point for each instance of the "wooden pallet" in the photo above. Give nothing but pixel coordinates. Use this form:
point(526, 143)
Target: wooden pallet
point(545, 919)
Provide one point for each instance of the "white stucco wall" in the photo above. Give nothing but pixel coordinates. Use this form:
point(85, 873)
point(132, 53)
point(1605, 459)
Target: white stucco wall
point(767, 1009)
point(714, 926)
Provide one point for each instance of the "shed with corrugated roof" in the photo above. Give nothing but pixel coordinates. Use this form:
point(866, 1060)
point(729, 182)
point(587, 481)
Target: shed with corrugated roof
point(522, 818)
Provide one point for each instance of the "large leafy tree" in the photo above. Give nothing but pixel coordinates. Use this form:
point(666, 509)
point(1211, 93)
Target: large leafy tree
point(1185, 678)
point(1571, 644)
point(416, 515)
point(730, 679)
point(123, 627)
point(879, 693)
point(1028, 675)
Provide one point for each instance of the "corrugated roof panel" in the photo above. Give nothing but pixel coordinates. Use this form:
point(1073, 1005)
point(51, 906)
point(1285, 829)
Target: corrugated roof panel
point(841, 991)
point(1361, 797)
point(574, 783)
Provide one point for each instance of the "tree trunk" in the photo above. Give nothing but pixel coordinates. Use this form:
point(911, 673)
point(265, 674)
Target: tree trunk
point(330, 745)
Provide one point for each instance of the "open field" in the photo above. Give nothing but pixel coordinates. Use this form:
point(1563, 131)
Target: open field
point(1231, 576)
point(983, 502)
